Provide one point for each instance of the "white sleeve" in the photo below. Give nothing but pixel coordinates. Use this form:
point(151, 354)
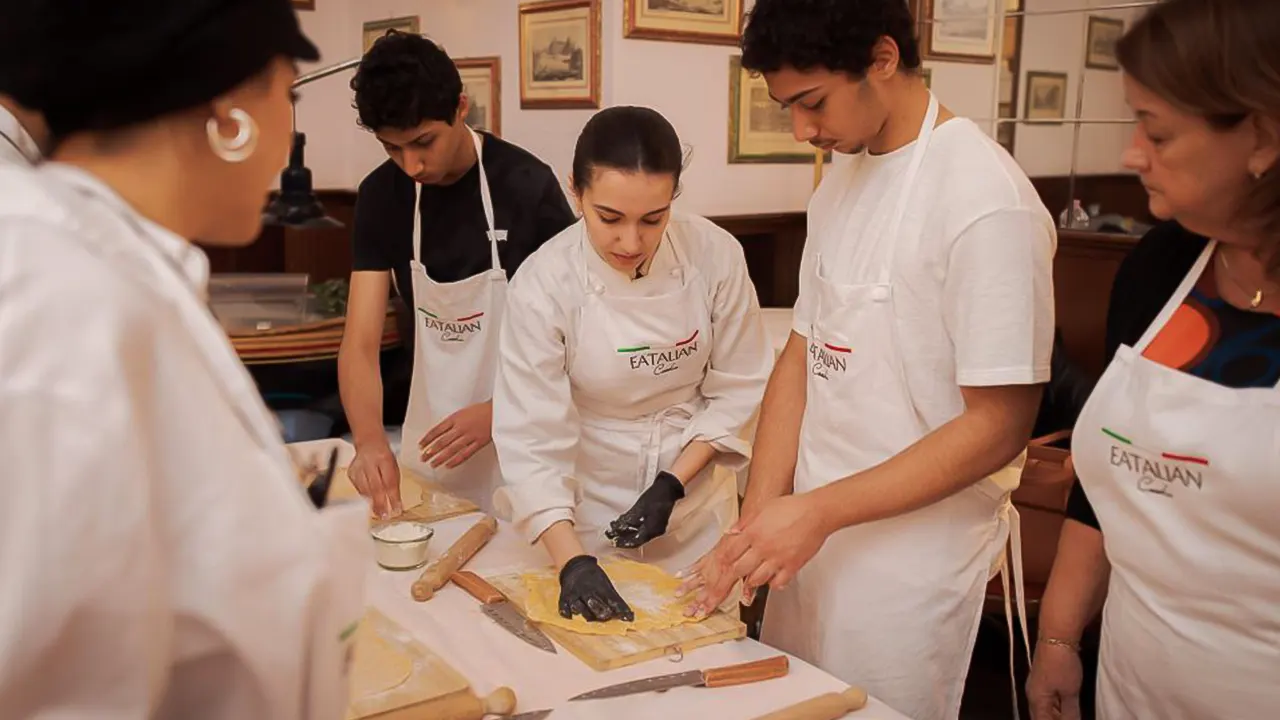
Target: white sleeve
point(535, 421)
point(802, 316)
point(741, 359)
point(998, 299)
point(85, 592)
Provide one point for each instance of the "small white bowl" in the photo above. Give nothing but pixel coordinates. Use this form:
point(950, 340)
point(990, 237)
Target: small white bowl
point(402, 544)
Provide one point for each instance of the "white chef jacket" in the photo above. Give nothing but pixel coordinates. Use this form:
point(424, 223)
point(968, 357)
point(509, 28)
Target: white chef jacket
point(535, 416)
point(17, 147)
point(157, 558)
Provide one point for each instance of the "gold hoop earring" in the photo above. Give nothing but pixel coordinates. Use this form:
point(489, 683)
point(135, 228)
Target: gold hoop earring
point(239, 148)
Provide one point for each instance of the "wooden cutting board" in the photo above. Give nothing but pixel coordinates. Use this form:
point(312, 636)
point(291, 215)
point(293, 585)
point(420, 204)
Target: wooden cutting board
point(437, 504)
point(609, 652)
point(430, 684)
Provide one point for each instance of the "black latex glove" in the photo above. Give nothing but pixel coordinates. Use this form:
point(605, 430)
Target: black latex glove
point(647, 519)
point(585, 590)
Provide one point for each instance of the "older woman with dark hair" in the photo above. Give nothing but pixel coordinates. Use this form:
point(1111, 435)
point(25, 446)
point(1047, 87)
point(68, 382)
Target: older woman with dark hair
point(1174, 522)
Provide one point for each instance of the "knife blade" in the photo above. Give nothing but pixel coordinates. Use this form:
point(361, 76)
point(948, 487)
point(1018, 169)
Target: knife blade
point(497, 608)
point(725, 676)
point(531, 715)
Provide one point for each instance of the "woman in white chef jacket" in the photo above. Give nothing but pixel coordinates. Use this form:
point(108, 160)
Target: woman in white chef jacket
point(1178, 447)
point(632, 356)
point(159, 555)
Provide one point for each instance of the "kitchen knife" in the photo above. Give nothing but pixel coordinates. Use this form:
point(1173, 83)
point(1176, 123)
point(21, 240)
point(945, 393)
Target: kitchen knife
point(768, 669)
point(500, 610)
point(531, 715)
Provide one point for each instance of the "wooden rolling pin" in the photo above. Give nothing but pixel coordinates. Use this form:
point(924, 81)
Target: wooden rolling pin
point(466, 706)
point(438, 572)
point(823, 707)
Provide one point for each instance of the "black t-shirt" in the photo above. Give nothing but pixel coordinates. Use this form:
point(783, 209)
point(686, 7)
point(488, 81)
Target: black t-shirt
point(1146, 280)
point(527, 202)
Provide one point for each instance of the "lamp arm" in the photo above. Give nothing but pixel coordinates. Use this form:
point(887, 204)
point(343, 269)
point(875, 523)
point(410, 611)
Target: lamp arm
point(325, 72)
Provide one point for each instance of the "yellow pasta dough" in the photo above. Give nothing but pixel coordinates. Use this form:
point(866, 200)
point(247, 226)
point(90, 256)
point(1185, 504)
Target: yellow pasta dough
point(379, 666)
point(648, 589)
point(410, 491)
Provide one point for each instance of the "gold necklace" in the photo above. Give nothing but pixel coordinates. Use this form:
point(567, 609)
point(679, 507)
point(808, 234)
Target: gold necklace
point(1257, 295)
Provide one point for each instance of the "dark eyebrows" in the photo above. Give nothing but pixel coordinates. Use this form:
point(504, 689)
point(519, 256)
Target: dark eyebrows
point(607, 209)
point(794, 98)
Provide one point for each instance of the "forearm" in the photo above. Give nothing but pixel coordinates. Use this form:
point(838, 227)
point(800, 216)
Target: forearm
point(360, 387)
point(976, 444)
point(561, 543)
point(1077, 584)
point(695, 456)
point(777, 440)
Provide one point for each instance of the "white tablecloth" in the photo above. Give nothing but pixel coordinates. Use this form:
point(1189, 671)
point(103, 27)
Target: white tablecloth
point(453, 627)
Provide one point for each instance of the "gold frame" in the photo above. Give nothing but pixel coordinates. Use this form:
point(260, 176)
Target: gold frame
point(922, 11)
point(633, 29)
point(737, 156)
point(593, 65)
point(411, 24)
point(304, 4)
point(1095, 21)
point(1033, 76)
point(493, 64)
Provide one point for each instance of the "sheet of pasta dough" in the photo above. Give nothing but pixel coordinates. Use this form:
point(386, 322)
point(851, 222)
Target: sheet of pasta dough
point(648, 589)
point(411, 494)
point(379, 666)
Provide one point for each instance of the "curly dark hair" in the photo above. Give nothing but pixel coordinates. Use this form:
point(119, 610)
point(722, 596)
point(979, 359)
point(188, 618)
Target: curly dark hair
point(837, 35)
point(405, 80)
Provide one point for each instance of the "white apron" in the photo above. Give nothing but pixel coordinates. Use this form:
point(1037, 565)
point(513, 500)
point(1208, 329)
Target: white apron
point(455, 355)
point(1184, 476)
point(893, 605)
point(345, 525)
point(636, 365)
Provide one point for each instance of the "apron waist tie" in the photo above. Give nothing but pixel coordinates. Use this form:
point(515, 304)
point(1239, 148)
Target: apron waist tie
point(1011, 514)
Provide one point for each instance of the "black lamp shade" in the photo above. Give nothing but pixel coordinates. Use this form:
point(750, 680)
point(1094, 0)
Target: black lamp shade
point(296, 205)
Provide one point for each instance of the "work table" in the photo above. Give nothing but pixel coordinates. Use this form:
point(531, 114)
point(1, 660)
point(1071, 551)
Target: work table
point(453, 627)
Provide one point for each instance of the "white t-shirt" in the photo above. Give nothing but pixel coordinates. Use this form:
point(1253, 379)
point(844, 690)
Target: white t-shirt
point(973, 266)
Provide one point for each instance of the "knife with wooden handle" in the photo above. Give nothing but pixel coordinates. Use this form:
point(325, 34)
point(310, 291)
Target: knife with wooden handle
point(496, 607)
point(726, 676)
point(823, 707)
point(438, 572)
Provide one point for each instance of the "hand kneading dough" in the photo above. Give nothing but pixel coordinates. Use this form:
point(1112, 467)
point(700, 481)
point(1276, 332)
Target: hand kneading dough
point(648, 589)
point(379, 666)
point(342, 489)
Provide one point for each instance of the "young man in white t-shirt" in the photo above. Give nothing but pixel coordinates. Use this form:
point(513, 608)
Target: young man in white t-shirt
point(877, 503)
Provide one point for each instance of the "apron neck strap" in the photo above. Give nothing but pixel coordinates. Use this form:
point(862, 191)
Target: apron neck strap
point(485, 199)
point(1175, 300)
point(908, 182)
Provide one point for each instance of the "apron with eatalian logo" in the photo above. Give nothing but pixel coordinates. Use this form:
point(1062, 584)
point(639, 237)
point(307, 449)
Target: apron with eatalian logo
point(1184, 476)
point(455, 354)
point(636, 365)
point(892, 605)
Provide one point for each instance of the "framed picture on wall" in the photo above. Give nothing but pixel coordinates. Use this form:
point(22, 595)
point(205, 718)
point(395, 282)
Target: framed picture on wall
point(377, 28)
point(1104, 33)
point(759, 127)
point(712, 22)
point(560, 54)
point(963, 31)
point(482, 82)
point(304, 4)
point(1046, 96)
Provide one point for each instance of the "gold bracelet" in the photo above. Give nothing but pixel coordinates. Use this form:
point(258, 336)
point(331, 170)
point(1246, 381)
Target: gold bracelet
point(1070, 645)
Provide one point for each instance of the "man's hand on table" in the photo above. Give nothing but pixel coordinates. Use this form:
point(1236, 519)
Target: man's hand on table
point(459, 436)
point(768, 547)
point(587, 591)
point(376, 475)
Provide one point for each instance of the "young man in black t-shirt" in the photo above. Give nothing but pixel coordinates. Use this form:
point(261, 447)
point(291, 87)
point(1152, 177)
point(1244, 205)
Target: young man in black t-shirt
point(409, 95)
